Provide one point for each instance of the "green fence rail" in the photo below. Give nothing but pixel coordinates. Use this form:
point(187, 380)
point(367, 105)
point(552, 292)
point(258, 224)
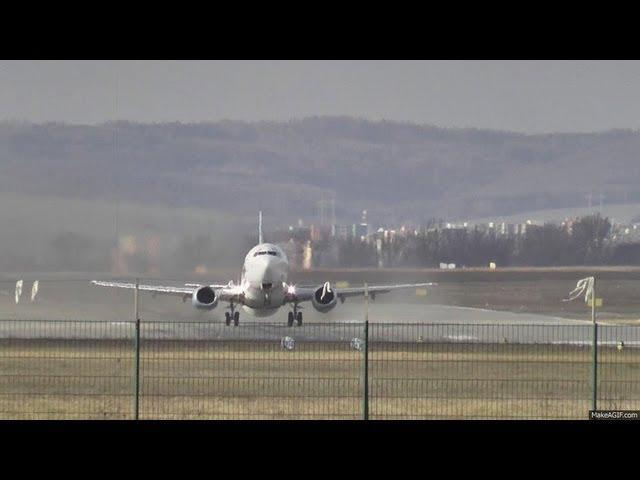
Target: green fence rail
point(192, 370)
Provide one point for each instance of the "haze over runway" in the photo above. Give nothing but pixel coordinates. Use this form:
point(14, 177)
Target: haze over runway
point(81, 310)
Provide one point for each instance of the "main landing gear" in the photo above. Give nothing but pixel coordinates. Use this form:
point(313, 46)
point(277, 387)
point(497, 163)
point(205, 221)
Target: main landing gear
point(294, 316)
point(233, 315)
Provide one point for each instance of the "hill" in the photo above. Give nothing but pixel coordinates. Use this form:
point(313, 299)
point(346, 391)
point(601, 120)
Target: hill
point(396, 171)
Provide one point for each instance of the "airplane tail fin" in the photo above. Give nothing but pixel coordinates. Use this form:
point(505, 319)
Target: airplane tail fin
point(260, 227)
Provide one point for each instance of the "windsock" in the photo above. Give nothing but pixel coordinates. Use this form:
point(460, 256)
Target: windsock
point(18, 290)
point(34, 290)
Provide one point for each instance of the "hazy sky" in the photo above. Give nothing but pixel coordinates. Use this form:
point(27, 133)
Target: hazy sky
point(525, 96)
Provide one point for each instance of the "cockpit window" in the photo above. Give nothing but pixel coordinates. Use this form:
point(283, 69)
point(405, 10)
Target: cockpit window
point(266, 252)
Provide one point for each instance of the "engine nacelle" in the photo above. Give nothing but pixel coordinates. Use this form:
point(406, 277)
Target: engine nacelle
point(324, 298)
point(205, 298)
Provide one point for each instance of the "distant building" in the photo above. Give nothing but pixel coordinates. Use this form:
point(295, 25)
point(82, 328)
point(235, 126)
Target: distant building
point(320, 233)
point(456, 226)
point(362, 231)
point(294, 252)
point(341, 232)
point(509, 228)
point(307, 257)
point(314, 233)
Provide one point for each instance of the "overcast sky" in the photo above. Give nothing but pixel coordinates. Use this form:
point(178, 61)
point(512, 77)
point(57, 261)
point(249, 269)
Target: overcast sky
point(524, 96)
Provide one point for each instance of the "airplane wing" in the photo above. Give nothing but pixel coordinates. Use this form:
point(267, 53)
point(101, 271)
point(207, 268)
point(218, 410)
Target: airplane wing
point(305, 293)
point(226, 292)
point(375, 289)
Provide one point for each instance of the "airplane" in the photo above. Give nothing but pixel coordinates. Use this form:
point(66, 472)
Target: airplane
point(263, 288)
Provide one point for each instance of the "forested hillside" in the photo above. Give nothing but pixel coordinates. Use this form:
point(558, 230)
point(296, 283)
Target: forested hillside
point(396, 171)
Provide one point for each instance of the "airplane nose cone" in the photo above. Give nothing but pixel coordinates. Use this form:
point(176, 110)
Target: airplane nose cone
point(263, 271)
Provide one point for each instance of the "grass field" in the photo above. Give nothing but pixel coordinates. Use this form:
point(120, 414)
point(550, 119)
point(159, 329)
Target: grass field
point(78, 379)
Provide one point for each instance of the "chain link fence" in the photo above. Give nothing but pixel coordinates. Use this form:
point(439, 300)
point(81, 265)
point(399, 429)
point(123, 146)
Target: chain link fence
point(479, 371)
point(618, 367)
point(66, 369)
point(254, 371)
point(203, 370)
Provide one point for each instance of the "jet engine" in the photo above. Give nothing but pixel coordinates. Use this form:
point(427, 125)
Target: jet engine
point(204, 298)
point(324, 298)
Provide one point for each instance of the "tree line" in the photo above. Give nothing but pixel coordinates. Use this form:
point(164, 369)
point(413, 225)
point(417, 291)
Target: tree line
point(587, 241)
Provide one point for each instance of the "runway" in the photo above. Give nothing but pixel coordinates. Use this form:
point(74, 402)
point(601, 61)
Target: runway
point(77, 309)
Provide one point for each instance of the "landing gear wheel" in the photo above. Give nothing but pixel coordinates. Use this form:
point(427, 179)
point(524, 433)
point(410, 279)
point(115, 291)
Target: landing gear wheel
point(299, 319)
point(227, 318)
point(290, 320)
point(236, 319)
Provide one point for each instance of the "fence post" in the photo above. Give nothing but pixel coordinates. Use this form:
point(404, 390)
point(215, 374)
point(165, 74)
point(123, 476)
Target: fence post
point(594, 360)
point(365, 382)
point(136, 399)
point(365, 369)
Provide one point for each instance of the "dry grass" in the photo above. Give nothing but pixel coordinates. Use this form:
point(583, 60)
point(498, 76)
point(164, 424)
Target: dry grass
point(46, 379)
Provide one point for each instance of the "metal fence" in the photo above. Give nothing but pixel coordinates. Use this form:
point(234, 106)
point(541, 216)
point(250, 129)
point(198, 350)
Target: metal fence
point(192, 370)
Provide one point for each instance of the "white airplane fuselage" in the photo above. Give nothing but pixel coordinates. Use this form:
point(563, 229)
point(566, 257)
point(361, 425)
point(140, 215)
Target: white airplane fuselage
point(263, 279)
